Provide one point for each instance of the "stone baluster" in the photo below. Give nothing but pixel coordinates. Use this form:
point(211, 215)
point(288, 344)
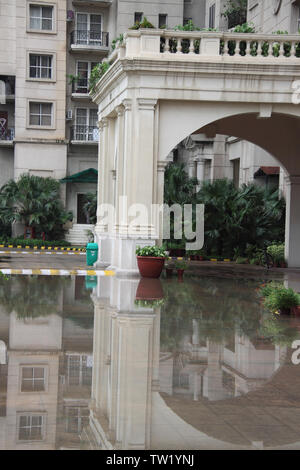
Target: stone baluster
point(167, 45)
point(248, 48)
point(226, 48)
point(281, 49)
point(179, 46)
point(192, 46)
point(259, 48)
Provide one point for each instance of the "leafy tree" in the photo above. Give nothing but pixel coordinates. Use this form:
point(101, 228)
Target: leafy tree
point(235, 12)
point(34, 201)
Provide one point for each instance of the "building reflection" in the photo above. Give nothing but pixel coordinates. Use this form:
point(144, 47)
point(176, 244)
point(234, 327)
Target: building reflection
point(100, 370)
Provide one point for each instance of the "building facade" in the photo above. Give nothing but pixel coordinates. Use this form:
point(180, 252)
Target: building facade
point(48, 122)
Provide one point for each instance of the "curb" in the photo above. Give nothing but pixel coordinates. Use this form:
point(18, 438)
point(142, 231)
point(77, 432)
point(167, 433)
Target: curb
point(43, 252)
point(45, 248)
point(211, 259)
point(58, 272)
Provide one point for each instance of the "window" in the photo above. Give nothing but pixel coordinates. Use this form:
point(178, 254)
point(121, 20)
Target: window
point(138, 17)
point(79, 370)
point(89, 29)
point(40, 114)
point(83, 73)
point(162, 21)
point(212, 14)
point(41, 17)
point(31, 427)
point(186, 20)
point(40, 66)
point(86, 124)
point(76, 418)
point(33, 379)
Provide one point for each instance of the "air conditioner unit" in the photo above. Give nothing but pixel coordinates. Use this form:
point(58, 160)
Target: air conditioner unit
point(70, 15)
point(69, 115)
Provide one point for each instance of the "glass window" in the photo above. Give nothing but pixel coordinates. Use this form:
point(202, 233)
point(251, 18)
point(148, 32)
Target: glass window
point(212, 14)
point(162, 21)
point(40, 114)
point(33, 379)
point(31, 427)
point(138, 16)
point(40, 66)
point(41, 17)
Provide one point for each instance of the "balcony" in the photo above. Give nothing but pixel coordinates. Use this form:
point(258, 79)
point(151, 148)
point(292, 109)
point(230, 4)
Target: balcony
point(80, 90)
point(92, 3)
point(7, 136)
point(84, 135)
point(89, 41)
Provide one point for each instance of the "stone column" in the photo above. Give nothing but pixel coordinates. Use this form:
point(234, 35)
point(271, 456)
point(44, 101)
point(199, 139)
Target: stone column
point(102, 228)
point(161, 166)
point(200, 171)
point(292, 226)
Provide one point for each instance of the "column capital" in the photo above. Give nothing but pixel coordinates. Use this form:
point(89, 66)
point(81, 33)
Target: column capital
point(120, 110)
point(127, 103)
point(161, 165)
point(103, 123)
point(292, 179)
point(146, 103)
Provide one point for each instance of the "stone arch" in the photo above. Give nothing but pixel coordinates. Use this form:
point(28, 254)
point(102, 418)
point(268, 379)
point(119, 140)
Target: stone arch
point(239, 120)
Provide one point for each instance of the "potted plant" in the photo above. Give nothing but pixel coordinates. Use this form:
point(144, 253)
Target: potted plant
point(181, 267)
point(282, 300)
point(150, 260)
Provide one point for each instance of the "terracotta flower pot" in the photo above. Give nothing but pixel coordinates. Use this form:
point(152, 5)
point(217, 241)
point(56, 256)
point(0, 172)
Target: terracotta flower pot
point(149, 289)
point(169, 272)
point(201, 258)
point(180, 273)
point(296, 311)
point(283, 264)
point(150, 266)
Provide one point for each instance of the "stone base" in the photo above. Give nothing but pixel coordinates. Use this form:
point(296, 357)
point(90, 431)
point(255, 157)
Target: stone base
point(119, 255)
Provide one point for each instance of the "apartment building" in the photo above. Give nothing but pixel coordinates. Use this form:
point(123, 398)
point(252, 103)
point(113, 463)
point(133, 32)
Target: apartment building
point(48, 122)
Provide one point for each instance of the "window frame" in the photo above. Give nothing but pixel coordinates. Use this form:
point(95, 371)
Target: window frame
point(89, 70)
point(87, 125)
point(212, 16)
point(54, 17)
point(138, 13)
point(31, 414)
point(53, 66)
point(53, 115)
point(160, 15)
point(30, 366)
point(89, 41)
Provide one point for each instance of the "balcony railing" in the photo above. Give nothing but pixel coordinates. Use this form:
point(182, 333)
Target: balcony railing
point(205, 45)
point(85, 133)
point(89, 38)
point(7, 134)
point(80, 86)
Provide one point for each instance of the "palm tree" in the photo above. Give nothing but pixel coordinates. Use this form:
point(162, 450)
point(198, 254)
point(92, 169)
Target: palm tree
point(34, 201)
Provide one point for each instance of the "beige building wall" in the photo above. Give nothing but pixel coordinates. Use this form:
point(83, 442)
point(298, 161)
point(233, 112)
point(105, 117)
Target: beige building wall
point(269, 16)
point(8, 37)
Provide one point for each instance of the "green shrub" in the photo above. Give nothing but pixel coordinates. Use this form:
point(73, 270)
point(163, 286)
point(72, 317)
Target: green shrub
point(241, 260)
point(143, 24)
point(149, 303)
point(119, 39)
point(181, 265)
point(97, 72)
point(32, 242)
point(281, 298)
point(276, 252)
point(151, 251)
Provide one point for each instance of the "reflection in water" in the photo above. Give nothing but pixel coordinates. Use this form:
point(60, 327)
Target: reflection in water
point(129, 364)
